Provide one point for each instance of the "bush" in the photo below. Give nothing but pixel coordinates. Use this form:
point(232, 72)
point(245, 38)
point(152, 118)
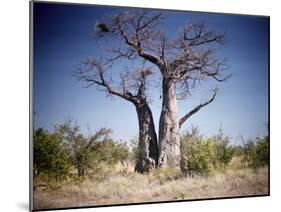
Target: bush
point(223, 152)
point(255, 152)
point(201, 155)
point(83, 152)
point(121, 152)
point(83, 157)
point(134, 147)
point(50, 156)
point(55, 152)
point(262, 151)
point(197, 154)
point(111, 152)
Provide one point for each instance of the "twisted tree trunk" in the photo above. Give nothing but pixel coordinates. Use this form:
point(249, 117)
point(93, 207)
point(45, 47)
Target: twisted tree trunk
point(169, 137)
point(148, 147)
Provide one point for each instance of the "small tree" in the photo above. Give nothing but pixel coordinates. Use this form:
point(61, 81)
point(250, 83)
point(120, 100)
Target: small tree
point(263, 151)
point(121, 152)
point(223, 151)
point(201, 155)
point(196, 154)
point(111, 152)
point(134, 147)
point(82, 151)
point(50, 155)
point(255, 152)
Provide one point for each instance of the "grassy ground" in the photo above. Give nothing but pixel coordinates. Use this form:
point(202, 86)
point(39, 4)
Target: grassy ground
point(125, 186)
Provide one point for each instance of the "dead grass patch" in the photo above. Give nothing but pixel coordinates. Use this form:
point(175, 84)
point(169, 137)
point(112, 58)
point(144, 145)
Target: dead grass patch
point(125, 186)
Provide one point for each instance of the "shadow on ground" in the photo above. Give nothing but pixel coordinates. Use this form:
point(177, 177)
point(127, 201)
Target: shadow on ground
point(23, 206)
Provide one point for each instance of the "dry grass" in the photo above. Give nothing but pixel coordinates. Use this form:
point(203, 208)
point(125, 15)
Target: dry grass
point(125, 186)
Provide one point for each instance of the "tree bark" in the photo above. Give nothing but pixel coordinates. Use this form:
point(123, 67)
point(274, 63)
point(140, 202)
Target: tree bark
point(148, 147)
point(81, 172)
point(169, 137)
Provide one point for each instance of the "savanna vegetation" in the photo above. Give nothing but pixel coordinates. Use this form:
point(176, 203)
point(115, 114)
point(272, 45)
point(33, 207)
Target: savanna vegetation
point(71, 169)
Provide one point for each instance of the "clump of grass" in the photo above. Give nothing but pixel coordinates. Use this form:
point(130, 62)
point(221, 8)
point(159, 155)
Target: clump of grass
point(78, 180)
point(182, 196)
point(166, 174)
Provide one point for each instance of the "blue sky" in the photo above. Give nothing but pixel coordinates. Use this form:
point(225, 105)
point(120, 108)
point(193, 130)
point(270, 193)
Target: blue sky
point(63, 36)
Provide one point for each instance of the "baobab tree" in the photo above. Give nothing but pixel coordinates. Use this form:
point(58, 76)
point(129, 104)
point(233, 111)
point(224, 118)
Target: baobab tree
point(182, 61)
point(133, 89)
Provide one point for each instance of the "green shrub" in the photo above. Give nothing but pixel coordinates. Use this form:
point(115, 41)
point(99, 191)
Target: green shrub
point(197, 154)
point(86, 154)
point(182, 196)
point(121, 152)
point(50, 156)
point(223, 152)
point(201, 155)
point(111, 151)
point(255, 152)
point(262, 151)
point(83, 157)
point(81, 150)
point(78, 180)
point(134, 147)
point(237, 151)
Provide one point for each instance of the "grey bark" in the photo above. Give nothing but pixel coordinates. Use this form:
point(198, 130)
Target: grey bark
point(169, 137)
point(148, 147)
point(81, 172)
point(170, 124)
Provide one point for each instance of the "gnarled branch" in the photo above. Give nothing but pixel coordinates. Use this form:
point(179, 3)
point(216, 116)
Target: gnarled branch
point(133, 84)
point(197, 108)
point(197, 34)
point(137, 30)
point(93, 72)
point(103, 132)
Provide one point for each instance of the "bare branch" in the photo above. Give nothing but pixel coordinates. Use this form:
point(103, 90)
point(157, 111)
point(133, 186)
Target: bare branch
point(196, 57)
point(151, 58)
point(197, 108)
point(118, 53)
point(190, 69)
point(133, 84)
point(214, 70)
point(137, 30)
point(102, 133)
point(93, 72)
point(187, 59)
point(196, 34)
point(149, 21)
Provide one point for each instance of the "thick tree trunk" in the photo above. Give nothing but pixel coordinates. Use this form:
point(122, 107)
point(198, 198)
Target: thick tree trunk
point(169, 137)
point(148, 147)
